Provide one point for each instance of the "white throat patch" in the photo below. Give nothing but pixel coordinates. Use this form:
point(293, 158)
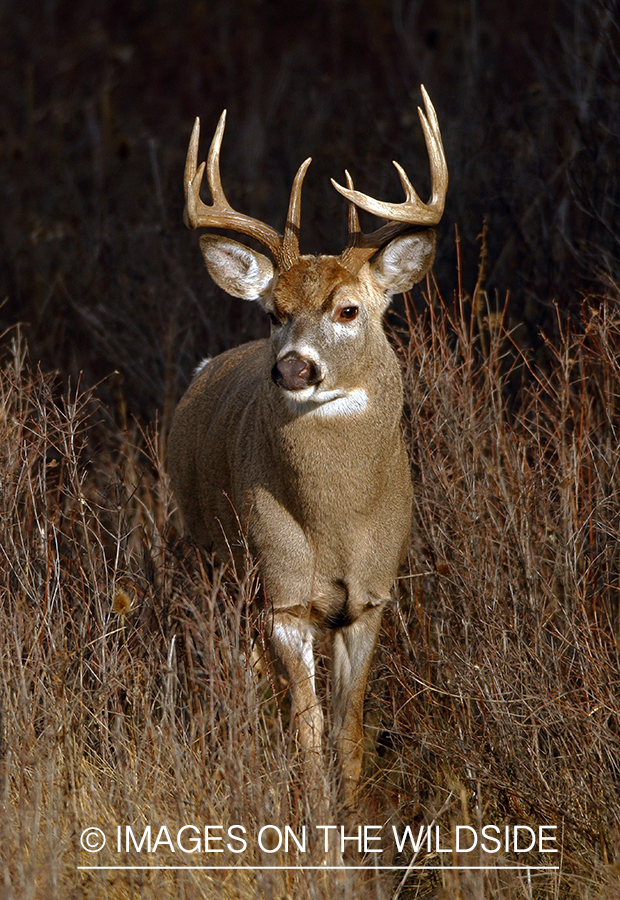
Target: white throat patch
point(313, 402)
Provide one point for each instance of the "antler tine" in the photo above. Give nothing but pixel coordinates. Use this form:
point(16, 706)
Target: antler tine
point(290, 241)
point(400, 216)
point(191, 165)
point(436, 154)
point(213, 165)
point(220, 214)
point(353, 219)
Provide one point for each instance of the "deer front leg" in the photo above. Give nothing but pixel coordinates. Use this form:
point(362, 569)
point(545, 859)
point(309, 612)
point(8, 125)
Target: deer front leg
point(291, 638)
point(352, 650)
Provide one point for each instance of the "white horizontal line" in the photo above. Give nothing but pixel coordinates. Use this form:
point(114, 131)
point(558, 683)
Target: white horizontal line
point(325, 868)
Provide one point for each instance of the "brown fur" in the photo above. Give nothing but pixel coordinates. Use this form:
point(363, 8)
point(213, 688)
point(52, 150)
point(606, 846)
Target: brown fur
point(311, 284)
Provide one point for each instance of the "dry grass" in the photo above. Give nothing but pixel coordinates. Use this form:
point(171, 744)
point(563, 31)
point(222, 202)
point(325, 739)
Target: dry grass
point(129, 695)
point(507, 669)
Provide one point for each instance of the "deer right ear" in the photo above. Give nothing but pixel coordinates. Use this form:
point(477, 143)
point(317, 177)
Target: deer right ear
point(237, 269)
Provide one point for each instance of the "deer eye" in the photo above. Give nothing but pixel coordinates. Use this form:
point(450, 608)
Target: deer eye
point(347, 314)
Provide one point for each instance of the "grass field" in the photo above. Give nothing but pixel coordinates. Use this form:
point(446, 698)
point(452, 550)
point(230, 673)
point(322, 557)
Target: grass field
point(130, 695)
point(133, 695)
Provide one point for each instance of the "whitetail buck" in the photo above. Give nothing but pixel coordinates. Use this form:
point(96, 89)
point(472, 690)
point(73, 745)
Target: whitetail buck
point(294, 443)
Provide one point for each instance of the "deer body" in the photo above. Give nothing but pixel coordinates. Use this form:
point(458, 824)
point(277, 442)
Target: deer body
point(294, 444)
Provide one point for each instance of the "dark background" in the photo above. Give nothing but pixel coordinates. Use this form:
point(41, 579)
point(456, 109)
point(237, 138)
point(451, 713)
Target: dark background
point(97, 105)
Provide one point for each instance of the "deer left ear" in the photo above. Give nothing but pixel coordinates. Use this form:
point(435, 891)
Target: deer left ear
point(404, 262)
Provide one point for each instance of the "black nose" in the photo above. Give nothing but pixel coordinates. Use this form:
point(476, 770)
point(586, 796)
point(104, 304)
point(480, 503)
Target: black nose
point(294, 373)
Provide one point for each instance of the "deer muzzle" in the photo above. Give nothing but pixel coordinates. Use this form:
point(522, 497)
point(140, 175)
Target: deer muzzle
point(294, 372)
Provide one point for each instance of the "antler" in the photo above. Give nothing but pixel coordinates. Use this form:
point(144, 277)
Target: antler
point(400, 216)
point(284, 248)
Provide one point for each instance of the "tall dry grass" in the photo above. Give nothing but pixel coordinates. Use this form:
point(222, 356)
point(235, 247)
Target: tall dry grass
point(130, 693)
point(507, 672)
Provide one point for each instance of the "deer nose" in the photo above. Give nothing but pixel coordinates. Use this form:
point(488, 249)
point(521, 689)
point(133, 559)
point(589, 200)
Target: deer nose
point(294, 372)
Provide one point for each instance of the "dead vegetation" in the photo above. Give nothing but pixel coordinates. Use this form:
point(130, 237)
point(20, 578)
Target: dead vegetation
point(129, 695)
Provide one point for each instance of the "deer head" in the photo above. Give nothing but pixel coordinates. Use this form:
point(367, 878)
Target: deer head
point(312, 302)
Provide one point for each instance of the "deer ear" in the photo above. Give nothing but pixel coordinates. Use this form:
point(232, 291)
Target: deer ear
point(237, 269)
point(404, 262)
